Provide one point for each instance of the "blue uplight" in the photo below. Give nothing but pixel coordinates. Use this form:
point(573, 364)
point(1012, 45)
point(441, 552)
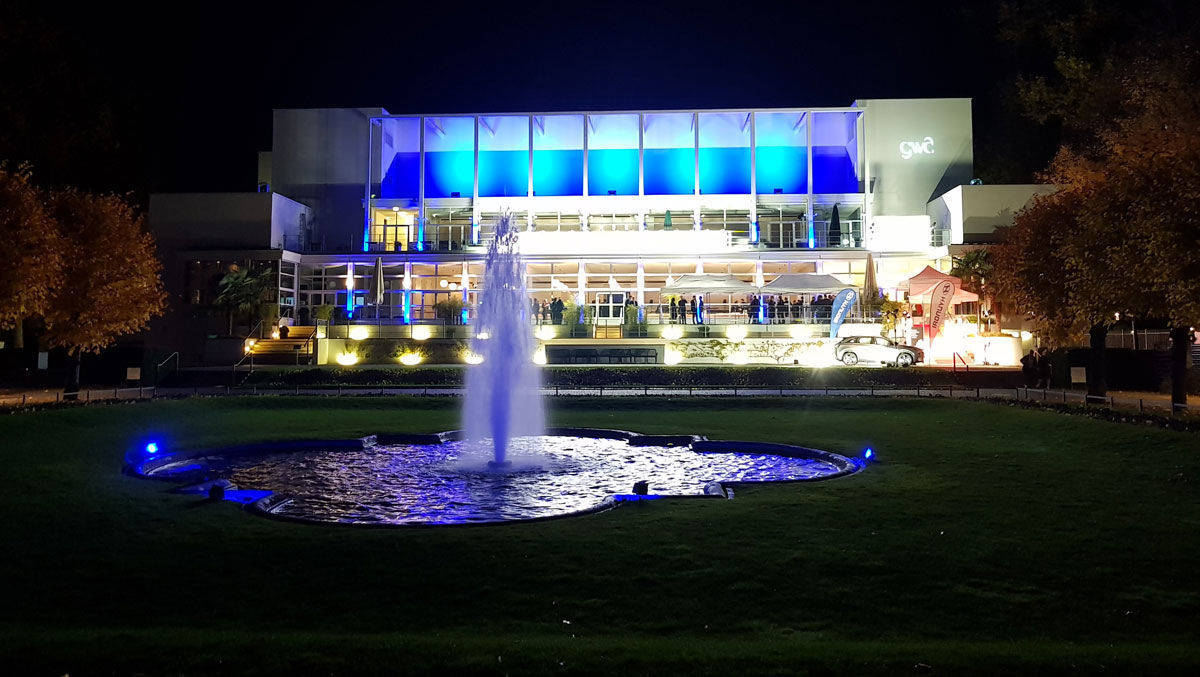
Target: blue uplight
point(152, 448)
point(869, 454)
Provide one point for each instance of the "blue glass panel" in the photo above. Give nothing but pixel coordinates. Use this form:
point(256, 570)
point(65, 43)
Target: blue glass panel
point(558, 172)
point(669, 171)
point(402, 178)
point(780, 168)
point(614, 169)
point(833, 171)
point(503, 173)
point(724, 170)
point(449, 172)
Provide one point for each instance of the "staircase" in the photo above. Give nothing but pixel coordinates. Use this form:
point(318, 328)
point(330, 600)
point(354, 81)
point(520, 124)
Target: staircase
point(297, 348)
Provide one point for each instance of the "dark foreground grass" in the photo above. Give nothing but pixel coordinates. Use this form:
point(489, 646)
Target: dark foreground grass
point(989, 539)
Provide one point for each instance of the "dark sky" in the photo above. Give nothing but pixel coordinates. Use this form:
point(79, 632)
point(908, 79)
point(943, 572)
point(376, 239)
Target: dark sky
point(198, 80)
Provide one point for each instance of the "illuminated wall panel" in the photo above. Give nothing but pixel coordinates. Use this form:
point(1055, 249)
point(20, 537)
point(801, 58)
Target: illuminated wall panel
point(558, 155)
point(449, 157)
point(835, 153)
point(613, 154)
point(724, 153)
point(503, 155)
point(669, 154)
point(780, 155)
point(400, 158)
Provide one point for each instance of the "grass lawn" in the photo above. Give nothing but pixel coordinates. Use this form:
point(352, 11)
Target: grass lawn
point(989, 539)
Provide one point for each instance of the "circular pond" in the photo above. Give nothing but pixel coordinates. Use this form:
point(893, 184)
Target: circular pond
point(450, 483)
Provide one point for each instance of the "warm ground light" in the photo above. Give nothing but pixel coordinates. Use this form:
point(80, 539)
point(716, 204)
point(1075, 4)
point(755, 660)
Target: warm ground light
point(988, 538)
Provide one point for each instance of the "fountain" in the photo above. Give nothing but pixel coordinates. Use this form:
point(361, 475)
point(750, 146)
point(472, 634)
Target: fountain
point(425, 479)
point(503, 399)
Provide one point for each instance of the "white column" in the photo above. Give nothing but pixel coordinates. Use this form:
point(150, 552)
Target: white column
point(581, 284)
point(699, 266)
point(641, 284)
point(475, 189)
point(754, 234)
point(406, 284)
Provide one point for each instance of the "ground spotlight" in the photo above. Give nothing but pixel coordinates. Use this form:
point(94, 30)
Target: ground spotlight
point(152, 448)
point(868, 454)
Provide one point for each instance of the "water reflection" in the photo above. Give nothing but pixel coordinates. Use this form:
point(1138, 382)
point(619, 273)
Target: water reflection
point(450, 483)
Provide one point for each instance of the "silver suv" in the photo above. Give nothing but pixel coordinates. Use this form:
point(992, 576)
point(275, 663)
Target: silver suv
point(876, 350)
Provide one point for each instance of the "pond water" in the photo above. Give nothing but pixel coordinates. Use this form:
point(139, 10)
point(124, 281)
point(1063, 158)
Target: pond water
point(451, 483)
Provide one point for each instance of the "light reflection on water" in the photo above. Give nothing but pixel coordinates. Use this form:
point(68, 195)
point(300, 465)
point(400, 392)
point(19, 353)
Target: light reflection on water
point(449, 483)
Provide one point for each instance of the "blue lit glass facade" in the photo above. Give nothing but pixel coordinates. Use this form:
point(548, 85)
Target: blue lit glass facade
point(728, 153)
point(503, 155)
point(724, 153)
point(449, 157)
point(558, 155)
point(835, 152)
point(612, 154)
point(781, 153)
point(669, 154)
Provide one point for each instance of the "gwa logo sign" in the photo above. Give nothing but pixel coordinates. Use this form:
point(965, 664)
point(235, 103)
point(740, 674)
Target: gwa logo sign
point(911, 148)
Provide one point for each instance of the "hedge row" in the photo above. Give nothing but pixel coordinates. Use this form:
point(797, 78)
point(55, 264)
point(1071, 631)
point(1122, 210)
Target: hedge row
point(786, 377)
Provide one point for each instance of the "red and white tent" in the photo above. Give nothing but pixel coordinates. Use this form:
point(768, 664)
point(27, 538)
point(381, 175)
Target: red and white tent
point(922, 284)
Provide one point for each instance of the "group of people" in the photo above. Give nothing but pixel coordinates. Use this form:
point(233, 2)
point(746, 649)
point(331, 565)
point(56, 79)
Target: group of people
point(1037, 368)
point(544, 312)
point(682, 309)
point(784, 309)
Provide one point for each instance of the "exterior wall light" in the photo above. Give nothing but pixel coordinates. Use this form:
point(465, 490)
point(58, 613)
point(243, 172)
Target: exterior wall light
point(545, 332)
point(472, 358)
point(672, 332)
point(420, 332)
point(358, 333)
point(736, 332)
point(347, 359)
point(739, 357)
point(672, 356)
point(411, 359)
point(539, 355)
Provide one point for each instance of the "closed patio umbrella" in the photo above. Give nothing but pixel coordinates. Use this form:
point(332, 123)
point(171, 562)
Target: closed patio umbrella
point(835, 228)
point(870, 285)
point(377, 285)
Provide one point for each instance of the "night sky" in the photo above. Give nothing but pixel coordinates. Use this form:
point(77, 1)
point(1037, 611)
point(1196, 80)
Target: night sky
point(193, 84)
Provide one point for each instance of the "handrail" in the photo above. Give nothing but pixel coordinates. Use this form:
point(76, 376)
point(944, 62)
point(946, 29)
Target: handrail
point(954, 363)
point(158, 367)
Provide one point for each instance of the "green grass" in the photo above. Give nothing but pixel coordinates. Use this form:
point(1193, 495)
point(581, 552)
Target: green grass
point(988, 539)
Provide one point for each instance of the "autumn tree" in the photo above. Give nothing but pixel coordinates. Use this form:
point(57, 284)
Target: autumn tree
point(32, 252)
point(1121, 235)
point(110, 284)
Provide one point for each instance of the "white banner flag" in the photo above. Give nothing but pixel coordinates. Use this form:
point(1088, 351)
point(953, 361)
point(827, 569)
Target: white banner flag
point(939, 306)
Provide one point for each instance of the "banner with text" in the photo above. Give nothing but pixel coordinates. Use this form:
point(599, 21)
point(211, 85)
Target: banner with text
point(939, 306)
point(842, 304)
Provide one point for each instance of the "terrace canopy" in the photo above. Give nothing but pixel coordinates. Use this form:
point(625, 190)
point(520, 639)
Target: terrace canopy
point(805, 283)
point(709, 284)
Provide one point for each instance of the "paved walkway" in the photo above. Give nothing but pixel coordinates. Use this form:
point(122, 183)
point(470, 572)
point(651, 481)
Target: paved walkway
point(1130, 400)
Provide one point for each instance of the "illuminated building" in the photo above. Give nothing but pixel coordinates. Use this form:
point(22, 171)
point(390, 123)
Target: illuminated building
point(615, 204)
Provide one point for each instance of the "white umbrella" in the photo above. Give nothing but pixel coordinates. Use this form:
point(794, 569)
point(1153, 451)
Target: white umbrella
point(805, 283)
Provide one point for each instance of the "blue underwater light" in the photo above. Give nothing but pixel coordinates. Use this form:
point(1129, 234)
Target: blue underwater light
point(869, 454)
point(152, 448)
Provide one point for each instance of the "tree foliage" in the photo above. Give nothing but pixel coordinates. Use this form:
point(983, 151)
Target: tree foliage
point(240, 291)
point(110, 284)
point(31, 246)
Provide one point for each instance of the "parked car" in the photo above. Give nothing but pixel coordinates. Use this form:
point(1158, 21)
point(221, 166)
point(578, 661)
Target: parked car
point(876, 350)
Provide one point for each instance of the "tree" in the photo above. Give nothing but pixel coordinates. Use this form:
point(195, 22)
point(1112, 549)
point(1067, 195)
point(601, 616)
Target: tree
point(1121, 234)
point(110, 283)
point(974, 268)
point(240, 292)
point(33, 258)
